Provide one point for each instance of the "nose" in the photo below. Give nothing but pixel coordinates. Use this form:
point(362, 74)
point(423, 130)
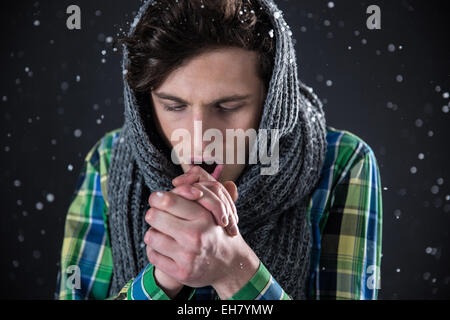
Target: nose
point(201, 122)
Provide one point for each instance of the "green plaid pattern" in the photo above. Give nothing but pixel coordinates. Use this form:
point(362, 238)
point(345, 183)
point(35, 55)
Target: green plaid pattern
point(346, 217)
point(345, 212)
point(262, 286)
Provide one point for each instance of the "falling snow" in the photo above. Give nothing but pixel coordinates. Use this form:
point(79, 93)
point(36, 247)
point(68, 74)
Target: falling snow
point(434, 189)
point(415, 166)
point(64, 86)
point(50, 197)
point(77, 133)
point(39, 206)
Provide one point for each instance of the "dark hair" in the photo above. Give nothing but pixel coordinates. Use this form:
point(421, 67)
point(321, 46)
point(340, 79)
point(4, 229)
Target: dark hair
point(172, 31)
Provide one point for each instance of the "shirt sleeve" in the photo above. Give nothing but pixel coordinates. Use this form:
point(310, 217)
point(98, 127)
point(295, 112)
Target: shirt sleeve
point(144, 287)
point(262, 286)
point(350, 256)
point(86, 261)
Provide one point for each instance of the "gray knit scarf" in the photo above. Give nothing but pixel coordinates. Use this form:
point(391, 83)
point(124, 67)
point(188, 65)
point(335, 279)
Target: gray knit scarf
point(271, 208)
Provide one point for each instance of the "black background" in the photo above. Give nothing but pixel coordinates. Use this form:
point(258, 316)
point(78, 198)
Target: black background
point(44, 109)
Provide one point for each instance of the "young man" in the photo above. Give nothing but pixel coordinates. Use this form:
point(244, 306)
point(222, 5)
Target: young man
point(143, 227)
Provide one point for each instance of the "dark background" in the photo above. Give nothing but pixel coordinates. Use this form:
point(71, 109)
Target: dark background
point(50, 119)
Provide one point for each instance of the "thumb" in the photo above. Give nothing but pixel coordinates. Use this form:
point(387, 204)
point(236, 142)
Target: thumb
point(232, 189)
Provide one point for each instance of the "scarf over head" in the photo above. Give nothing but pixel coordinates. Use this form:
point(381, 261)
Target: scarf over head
point(271, 208)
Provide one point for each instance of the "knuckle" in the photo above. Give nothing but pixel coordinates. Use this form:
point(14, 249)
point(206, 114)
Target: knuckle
point(151, 255)
point(147, 215)
point(198, 185)
point(151, 236)
point(216, 184)
point(152, 215)
point(167, 200)
point(183, 188)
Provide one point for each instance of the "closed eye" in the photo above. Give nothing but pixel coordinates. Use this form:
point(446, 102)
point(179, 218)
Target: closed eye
point(220, 108)
point(174, 108)
point(228, 108)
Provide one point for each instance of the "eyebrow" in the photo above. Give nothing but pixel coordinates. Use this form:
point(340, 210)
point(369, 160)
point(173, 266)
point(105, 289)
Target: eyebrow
point(235, 97)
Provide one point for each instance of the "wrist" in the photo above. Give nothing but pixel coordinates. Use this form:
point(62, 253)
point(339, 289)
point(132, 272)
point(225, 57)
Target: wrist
point(239, 271)
point(169, 285)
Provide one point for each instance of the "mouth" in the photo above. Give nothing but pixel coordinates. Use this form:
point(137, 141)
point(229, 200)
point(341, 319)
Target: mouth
point(208, 167)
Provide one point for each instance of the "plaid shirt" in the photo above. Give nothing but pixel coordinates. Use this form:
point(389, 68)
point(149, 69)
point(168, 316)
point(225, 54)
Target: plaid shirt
point(345, 213)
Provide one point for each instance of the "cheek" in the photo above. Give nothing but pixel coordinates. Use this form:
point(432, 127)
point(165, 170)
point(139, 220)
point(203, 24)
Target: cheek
point(166, 128)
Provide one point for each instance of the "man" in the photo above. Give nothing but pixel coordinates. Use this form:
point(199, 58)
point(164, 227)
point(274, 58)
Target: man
point(143, 227)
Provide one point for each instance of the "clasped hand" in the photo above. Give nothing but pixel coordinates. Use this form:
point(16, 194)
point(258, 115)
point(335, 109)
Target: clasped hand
point(194, 239)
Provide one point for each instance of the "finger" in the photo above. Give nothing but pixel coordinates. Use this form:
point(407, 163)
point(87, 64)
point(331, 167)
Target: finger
point(218, 189)
point(211, 202)
point(233, 193)
point(232, 227)
point(166, 223)
point(222, 193)
point(162, 243)
point(188, 192)
point(176, 205)
point(195, 174)
point(232, 189)
point(161, 261)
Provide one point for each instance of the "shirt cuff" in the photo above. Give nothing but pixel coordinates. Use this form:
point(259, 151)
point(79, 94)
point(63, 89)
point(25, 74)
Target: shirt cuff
point(144, 287)
point(262, 286)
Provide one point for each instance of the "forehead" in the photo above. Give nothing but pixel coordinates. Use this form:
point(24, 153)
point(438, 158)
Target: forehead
point(213, 73)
